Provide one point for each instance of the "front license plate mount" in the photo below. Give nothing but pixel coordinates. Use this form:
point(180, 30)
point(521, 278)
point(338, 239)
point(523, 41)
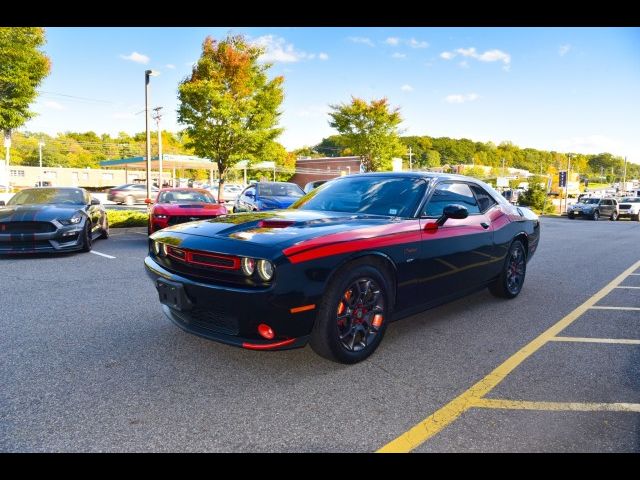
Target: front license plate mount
point(173, 295)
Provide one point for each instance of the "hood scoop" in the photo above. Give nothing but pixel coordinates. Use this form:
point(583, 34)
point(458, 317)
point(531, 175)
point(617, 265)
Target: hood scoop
point(197, 205)
point(275, 223)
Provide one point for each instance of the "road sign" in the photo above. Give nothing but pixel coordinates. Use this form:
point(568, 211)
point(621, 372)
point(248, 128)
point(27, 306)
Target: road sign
point(562, 178)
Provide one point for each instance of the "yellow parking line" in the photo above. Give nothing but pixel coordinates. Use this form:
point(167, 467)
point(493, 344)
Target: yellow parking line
point(602, 307)
point(447, 414)
point(595, 340)
point(570, 406)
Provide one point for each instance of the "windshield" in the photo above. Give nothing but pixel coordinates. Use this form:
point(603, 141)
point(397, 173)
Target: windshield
point(186, 196)
point(38, 196)
point(375, 195)
point(631, 200)
point(590, 201)
point(279, 190)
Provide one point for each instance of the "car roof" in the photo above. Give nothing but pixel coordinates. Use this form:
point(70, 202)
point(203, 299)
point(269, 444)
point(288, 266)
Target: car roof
point(184, 189)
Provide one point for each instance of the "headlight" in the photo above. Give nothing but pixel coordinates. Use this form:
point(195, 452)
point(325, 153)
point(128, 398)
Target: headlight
point(248, 266)
point(265, 270)
point(77, 218)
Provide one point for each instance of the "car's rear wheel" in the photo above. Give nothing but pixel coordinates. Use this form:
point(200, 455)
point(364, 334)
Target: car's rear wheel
point(509, 283)
point(130, 200)
point(87, 243)
point(614, 216)
point(596, 215)
point(352, 316)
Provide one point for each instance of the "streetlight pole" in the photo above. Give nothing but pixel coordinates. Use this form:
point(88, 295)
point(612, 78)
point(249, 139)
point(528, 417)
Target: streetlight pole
point(624, 176)
point(147, 74)
point(40, 145)
point(566, 185)
point(7, 145)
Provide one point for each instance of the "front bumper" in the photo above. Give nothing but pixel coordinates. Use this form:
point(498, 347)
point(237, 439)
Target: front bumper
point(627, 214)
point(63, 239)
point(232, 315)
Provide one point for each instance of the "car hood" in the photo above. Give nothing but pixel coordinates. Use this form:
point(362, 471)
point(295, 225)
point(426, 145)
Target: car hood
point(278, 202)
point(37, 213)
point(199, 209)
point(584, 205)
point(284, 227)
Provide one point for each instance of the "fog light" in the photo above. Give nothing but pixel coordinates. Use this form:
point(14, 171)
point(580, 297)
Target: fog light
point(266, 331)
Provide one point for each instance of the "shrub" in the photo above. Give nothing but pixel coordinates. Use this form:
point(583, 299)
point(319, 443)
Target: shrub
point(127, 218)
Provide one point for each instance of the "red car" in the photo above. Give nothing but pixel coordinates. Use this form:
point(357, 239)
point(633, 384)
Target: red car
point(180, 205)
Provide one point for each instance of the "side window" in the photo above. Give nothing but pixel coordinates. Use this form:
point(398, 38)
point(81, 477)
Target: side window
point(87, 198)
point(450, 193)
point(251, 191)
point(485, 201)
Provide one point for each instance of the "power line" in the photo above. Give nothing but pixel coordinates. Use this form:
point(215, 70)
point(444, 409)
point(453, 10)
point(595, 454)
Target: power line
point(76, 97)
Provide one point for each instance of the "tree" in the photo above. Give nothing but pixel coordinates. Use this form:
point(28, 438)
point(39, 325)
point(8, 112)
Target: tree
point(228, 103)
point(22, 69)
point(369, 130)
point(535, 196)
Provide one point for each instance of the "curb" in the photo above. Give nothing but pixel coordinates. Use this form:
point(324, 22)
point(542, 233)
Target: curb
point(129, 229)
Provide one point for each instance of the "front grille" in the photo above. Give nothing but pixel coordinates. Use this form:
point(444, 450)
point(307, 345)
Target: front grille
point(216, 319)
point(27, 227)
point(625, 207)
point(175, 220)
point(213, 260)
point(24, 245)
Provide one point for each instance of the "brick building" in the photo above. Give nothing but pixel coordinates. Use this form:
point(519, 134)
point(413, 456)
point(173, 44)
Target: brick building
point(325, 168)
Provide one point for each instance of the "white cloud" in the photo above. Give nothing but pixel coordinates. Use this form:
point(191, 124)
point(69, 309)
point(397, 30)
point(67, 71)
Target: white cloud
point(170, 66)
point(461, 98)
point(136, 57)
point(53, 105)
point(413, 43)
point(399, 55)
point(494, 55)
point(278, 50)
point(363, 40)
point(394, 41)
point(564, 49)
point(406, 88)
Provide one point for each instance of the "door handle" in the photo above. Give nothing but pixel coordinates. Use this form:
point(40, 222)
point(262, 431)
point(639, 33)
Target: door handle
point(484, 225)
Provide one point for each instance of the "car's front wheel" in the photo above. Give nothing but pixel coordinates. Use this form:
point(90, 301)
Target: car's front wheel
point(105, 229)
point(614, 216)
point(87, 243)
point(511, 279)
point(353, 315)
point(596, 215)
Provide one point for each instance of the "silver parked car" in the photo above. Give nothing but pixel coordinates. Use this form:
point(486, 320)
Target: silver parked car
point(595, 208)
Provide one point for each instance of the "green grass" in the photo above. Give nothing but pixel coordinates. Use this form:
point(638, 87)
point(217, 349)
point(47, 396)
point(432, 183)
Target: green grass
point(127, 218)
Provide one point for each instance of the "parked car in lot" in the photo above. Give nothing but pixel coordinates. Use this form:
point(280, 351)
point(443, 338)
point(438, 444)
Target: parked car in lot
point(230, 192)
point(313, 185)
point(594, 208)
point(337, 267)
point(267, 196)
point(629, 207)
point(51, 220)
point(130, 193)
point(180, 205)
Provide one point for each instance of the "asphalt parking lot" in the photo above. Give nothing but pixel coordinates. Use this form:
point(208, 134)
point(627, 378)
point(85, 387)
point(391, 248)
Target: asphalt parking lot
point(89, 363)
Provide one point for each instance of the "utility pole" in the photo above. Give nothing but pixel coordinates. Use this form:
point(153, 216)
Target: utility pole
point(624, 176)
point(40, 145)
point(410, 159)
point(157, 117)
point(566, 185)
point(7, 145)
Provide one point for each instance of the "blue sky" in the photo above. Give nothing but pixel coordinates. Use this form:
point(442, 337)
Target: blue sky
point(567, 89)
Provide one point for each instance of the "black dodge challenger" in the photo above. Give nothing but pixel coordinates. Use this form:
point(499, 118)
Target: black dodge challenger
point(51, 220)
point(342, 262)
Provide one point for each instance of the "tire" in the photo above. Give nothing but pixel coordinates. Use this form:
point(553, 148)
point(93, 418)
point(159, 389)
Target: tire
point(87, 243)
point(596, 216)
point(105, 229)
point(344, 330)
point(614, 216)
point(637, 218)
point(130, 200)
point(571, 216)
point(506, 286)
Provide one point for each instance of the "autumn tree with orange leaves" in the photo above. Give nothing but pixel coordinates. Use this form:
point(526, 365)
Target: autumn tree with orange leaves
point(229, 104)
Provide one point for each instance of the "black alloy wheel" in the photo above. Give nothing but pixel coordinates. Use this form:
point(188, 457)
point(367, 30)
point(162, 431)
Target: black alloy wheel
point(86, 237)
point(353, 314)
point(509, 283)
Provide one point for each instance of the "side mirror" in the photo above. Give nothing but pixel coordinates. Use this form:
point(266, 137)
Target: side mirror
point(2, 204)
point(250, 194)
point(95, 201)
point(454, 211)
point(148, 201)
